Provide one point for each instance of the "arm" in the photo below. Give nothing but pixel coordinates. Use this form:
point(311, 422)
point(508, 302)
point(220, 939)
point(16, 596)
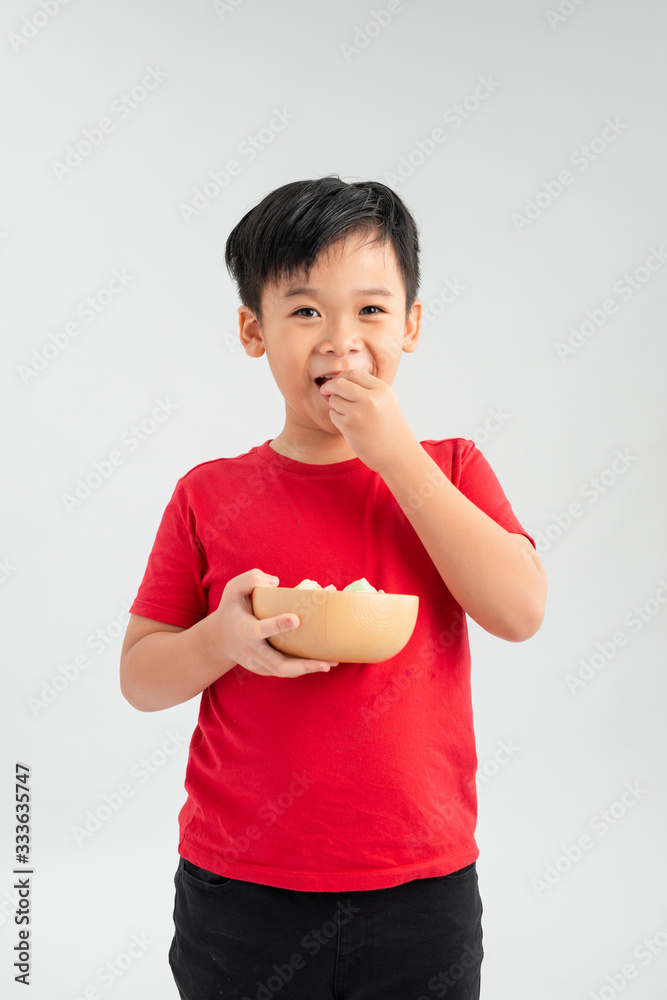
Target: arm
point(163, 665)
point(495, 575)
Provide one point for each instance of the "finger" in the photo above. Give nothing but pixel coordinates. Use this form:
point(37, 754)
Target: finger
point(292, 666)
point(348, 390)
point(358, 378)
point(269, 661)
point(274, 626)
point(284, 665)
point(356, 375)
point(243, 585)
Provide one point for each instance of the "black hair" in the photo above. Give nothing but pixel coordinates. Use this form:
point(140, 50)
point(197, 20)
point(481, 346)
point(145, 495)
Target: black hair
point(282, 236)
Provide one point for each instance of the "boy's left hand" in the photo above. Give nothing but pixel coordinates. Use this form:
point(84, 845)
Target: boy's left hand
point(367, 413)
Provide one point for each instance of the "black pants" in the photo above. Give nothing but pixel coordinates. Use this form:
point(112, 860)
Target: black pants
point(245, 941)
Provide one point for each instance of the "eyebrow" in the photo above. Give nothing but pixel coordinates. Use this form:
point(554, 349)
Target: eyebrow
point(304, 290)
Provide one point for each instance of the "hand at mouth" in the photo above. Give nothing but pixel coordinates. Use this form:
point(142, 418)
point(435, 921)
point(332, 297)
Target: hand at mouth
point(321, 379)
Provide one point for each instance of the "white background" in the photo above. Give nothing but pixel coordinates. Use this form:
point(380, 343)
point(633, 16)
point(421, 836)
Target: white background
point(362, 102)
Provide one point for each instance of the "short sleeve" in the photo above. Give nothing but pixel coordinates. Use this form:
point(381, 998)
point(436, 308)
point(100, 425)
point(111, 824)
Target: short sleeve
point(478, 482)
point(172, 590)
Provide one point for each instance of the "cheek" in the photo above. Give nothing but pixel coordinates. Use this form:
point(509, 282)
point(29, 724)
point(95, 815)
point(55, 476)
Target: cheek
point(387, 368)
point(388, 358)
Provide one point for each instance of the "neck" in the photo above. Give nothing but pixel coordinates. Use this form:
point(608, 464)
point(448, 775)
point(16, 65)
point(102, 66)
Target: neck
point(319, 449)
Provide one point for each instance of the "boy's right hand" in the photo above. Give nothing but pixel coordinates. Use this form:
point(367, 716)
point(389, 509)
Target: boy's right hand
point(242, 637)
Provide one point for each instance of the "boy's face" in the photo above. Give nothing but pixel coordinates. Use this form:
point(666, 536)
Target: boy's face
point(350, 314)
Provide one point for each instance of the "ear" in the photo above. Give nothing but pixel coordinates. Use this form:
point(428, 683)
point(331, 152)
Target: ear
point(412, 324)
point(250, 332)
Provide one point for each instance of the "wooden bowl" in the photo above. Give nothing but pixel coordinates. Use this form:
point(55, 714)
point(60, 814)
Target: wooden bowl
point(347, 626)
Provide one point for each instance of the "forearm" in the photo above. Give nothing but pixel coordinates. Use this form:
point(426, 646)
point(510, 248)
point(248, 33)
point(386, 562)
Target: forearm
point(501, 585)
point(164, 669)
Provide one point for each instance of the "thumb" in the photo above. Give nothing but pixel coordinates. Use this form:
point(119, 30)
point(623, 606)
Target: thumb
point(286, 622)
point(273, 626)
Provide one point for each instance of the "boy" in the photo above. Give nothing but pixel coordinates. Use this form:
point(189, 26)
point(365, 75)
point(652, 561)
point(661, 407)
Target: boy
point(327, 843)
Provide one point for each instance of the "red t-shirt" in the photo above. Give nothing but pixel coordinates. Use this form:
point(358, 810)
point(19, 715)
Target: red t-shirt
point(359, 778)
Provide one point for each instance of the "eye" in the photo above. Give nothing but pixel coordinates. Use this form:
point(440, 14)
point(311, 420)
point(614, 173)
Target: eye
point(305, 309)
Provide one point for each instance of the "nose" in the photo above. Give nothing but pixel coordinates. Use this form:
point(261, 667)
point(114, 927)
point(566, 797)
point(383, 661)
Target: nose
point(340, 340)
